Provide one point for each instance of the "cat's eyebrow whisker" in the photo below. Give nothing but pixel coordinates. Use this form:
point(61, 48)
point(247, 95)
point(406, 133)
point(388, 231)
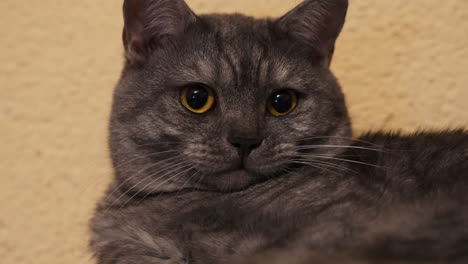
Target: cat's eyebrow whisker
point(164, 168)
point(153, 181)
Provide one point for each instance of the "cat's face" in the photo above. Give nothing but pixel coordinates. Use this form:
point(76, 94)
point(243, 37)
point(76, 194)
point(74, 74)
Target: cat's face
point(224, 102)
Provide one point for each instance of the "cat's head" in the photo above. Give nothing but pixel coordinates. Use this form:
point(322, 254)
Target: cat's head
point(224, 101)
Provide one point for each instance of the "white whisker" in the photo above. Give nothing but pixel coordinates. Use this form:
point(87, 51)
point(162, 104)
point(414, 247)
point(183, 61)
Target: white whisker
point(346, 160)
point(142, 157)
point(319, 165)
point(328, 164)
point(166, 167)
point(170, 178)
point(153, 181)
point(139, 172)
point(304, 147)
point(193, 175)
point(310, 164)
point(348, 138)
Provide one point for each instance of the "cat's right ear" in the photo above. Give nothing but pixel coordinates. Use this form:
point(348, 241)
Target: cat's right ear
point(317, 24)
point(150, 24)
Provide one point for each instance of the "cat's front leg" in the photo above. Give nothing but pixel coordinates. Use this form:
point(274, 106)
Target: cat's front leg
point(137, 247)
point(121, 238)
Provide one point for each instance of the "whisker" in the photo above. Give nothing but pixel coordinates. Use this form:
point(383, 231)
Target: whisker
point(153, 181)
point(101, 180)
point(172, 177)
point(318, 164)
point(296, 161)
point(140, 171)
point(193, 175)
point(348, 138)
point(145, 156)
point(324, 162)
point(304, 147)
point(166, 167)
point(156, 144)
point(346, 160)
point(86, 259)
point(329, 164)
point(200, 179)
point(288, 170)
point(313, 165)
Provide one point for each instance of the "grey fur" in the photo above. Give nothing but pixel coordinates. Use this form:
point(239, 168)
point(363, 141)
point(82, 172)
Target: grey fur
point(308, 189)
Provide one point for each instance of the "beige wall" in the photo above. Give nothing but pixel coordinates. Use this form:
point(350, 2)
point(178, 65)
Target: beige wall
point(403, 65)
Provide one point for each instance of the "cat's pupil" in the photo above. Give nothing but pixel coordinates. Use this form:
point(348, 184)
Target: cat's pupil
point(282, 101)
point(197, 97)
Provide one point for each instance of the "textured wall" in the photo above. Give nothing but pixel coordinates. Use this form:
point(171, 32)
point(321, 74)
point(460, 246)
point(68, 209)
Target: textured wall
point(403, 64)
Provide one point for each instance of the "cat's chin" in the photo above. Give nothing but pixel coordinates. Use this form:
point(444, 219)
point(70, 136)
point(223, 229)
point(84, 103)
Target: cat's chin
point(233, 180)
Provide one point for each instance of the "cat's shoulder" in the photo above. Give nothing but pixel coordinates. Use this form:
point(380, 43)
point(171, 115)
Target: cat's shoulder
point(423, 140)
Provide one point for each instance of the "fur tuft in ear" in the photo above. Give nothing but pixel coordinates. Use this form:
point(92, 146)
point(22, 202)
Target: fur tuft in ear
point(316, 23)
point(148, 23)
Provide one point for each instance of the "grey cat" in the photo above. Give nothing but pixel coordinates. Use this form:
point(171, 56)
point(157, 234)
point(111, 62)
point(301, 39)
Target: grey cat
point(231, 143)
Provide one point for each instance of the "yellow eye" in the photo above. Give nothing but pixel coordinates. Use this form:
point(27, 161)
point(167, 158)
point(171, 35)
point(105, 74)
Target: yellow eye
point(197, 98)
point(282, 102)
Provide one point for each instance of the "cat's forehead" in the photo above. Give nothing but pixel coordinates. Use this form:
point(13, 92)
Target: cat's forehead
point(238, 52)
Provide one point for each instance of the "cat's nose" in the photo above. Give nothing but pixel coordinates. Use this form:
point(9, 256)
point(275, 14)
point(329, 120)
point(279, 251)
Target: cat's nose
point(245, 145)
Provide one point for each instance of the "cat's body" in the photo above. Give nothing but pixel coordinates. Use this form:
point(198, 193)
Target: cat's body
point(236, 183)
point(402, 201)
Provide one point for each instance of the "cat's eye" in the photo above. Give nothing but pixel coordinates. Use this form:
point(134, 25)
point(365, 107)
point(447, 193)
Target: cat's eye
point(197, 98)
point(282, 102)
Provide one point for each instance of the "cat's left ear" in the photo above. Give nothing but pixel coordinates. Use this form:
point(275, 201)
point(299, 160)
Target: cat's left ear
point(317, 24)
